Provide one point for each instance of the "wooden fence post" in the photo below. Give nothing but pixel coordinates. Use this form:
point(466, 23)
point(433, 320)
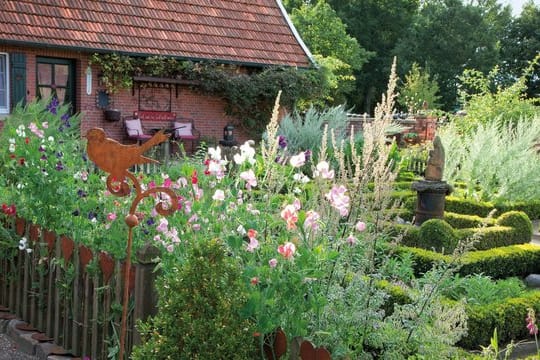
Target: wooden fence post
point(145, 290)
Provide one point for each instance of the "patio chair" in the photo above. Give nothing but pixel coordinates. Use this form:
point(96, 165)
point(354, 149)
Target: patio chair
point(135, 130)
point(184, 130)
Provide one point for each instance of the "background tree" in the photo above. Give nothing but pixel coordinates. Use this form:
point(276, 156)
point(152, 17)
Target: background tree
point(519, 46)
point(451, 36)
point(326, 36)
point(377, 25)
point(417, 89)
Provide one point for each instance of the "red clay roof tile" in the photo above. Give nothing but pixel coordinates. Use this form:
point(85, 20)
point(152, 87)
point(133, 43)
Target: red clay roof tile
point(241, 31)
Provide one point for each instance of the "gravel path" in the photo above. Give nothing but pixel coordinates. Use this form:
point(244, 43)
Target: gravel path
point(8, 350)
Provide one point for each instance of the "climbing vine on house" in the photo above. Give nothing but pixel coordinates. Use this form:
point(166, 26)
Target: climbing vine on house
point(249, 94)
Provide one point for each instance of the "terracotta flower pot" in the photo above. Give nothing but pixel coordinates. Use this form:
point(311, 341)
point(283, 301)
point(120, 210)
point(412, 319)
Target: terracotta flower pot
point(20, 226)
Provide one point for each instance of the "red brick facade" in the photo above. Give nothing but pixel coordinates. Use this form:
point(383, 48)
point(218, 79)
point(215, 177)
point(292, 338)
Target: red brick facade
point(208, 112)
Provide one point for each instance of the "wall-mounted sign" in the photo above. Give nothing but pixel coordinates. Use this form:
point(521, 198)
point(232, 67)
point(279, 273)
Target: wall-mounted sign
point(88, 80)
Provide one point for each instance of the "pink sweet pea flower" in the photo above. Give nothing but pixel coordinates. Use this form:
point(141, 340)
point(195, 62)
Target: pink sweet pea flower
point(290, 215)
point(162, 226)
point(38, 132)
point(167, 182)
point(111, 216)
point(338, 199)
point(531, 322)
point(250, 179)
point(360, 226)
point(312, 220)
point(253, 243)
point(287, 250)
point(323, 171)
point(272, 263)
point(351, 240)
point(251, 233)
point(298, 160)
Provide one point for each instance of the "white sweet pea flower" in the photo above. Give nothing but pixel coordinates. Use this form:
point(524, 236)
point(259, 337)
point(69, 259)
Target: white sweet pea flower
point(241, 230)
point(300, 177)
point(219, 195)
point(247, 153)
point(20, 131)
point(215, 153)
point(298, 160)
point(23, 243)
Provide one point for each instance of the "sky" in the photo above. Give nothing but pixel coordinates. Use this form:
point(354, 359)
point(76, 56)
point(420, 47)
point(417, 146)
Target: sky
point(516, 5)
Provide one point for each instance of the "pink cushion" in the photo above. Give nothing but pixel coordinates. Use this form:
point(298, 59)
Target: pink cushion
point(182, 130)
point(134, 127)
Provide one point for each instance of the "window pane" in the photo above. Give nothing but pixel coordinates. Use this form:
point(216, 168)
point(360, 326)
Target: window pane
point(44, 74)
point(44, 92)
point(61, 94)
point(3, 82)
point(61, 73)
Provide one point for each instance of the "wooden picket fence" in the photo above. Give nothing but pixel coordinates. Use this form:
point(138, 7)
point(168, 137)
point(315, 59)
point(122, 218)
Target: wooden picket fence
point(66, 297)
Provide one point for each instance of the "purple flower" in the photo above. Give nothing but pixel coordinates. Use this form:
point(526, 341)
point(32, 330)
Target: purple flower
point(43, 157)
point(59, 166)
point(282, 142)
point(59, 154)
point(53, 105)
point(307, 154)
point(41, 148)
point(81, 193)
point(150, 221)
point(91, 215)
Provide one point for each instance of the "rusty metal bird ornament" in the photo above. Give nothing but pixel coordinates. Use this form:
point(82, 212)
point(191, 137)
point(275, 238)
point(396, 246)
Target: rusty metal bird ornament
point(115, 158)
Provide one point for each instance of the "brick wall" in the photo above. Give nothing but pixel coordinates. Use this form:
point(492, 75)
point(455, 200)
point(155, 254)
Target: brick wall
point(208, 112)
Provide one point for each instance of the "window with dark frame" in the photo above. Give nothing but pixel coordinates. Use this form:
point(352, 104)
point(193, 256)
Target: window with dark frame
point(55, 77)
point(4, 83)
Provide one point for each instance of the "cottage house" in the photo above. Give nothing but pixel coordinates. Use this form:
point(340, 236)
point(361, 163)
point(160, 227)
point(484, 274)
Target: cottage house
point(46, 47)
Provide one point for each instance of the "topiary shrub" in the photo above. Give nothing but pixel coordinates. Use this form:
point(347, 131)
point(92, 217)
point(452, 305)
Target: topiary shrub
point(497, 263)
point(521, 224)
point(531, 208)
point(468, 207)
point(491, 237)
point(459, 221)
point(507, 316)
point(199, 310)
point(438, 235)
point(515, 260)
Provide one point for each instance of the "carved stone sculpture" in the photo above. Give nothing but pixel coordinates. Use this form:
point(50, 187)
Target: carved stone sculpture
point(435, 162)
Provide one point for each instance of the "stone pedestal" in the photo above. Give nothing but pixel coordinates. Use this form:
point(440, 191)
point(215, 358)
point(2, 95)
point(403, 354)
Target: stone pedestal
point(430, 199)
